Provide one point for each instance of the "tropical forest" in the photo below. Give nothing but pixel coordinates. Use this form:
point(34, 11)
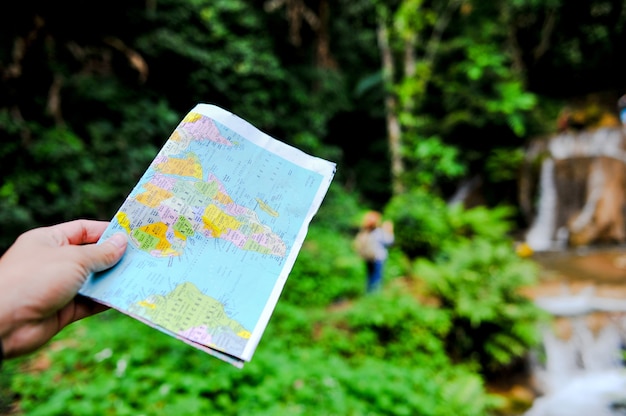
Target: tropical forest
point(436, 114)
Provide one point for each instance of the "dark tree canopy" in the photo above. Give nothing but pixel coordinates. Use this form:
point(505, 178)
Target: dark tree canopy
point(89, 94)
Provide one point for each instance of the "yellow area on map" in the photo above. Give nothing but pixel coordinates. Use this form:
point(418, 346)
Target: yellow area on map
point(187, 308)
point(175, 136)
point(153, 196)
point(223, 198)
point(217, 221)
point(191, 117)
point(152, 237)
point(190, 166)
point(244, 334)
point(122, 218)
point(266, 207)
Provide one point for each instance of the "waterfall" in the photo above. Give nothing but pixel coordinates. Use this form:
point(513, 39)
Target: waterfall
point(595, 394)
point(540, 235)
point(582, 372)
point(580, 179)
point(580, 189)
point(606, 141)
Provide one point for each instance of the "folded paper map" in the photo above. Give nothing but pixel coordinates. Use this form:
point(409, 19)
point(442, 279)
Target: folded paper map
point(214, 227)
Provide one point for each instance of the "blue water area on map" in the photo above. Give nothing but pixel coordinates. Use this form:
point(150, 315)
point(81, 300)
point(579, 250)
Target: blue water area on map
point(278, 191)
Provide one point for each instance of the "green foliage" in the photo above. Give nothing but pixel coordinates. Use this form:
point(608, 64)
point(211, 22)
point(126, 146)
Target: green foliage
point(325, 271)
point(425, 390)
point(468, 261)
point(504, 164)
point(420, 223)
point(318, 382)
point(493, 224)
point(431, 161)
point(391, 326)
point(327, 349)
point(426, 225)
point(462, 82)
point(64, 174)
point(95, 370)
point(485, 83)
point(506, 97)
point(92, 368)
point(338, 211)
point(479, 280)
point(124, 91)
point(385, 353)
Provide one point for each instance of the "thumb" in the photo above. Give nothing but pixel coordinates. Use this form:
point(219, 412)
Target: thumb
point(102, 256)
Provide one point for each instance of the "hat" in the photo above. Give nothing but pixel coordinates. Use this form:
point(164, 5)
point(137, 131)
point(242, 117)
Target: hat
point(371, 219)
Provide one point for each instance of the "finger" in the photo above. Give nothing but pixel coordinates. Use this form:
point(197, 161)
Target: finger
point(98, 257)
point(80, 231)
point(82, 308)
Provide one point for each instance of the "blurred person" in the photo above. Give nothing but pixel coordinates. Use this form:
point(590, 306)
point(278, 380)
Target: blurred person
point(40, 276)
point(371, 243)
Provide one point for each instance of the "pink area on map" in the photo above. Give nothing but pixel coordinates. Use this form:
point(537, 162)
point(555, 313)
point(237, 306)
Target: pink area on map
point(235, 237)
point(163, 181)
point(197, 334)
point(236, 210)
point(159, 159)
point(272, 242)
point(260, 238)
point(168, 215)
point(160, 253)
point(206, 232)
point(205, 129)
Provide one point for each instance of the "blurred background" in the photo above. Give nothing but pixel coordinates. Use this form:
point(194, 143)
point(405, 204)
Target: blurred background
point(479, 128)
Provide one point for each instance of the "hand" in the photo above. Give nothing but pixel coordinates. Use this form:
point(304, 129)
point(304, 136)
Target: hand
point(40, 276)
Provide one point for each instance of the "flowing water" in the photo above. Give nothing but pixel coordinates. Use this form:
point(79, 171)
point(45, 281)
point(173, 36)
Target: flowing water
point(579, 370)
point(569, 198)
point(540, 236)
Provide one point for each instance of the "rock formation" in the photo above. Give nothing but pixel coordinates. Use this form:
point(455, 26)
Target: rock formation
point(581, 177)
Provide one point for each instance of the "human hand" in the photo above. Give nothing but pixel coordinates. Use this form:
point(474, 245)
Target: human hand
point(40, 276)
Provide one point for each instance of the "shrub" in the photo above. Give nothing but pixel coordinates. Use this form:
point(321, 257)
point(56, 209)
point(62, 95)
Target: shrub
point(325, 271)
point(479, 283)
point(420, 222)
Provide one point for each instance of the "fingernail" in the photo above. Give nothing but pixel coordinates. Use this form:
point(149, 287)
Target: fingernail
point(118, 240)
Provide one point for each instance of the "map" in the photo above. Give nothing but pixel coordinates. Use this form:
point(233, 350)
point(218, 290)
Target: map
point(214, 227)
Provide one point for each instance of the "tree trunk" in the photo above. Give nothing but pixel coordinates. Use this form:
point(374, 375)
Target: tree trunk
point(391, 110)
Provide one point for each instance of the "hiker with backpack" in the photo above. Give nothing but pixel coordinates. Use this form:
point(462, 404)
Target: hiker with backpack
point(371, 243)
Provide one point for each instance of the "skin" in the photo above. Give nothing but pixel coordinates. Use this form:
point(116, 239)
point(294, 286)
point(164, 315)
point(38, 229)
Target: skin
point(40, 275)
point(388, 227)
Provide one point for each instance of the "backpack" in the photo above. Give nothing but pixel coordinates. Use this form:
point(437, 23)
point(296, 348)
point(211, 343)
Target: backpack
point(365, 245)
